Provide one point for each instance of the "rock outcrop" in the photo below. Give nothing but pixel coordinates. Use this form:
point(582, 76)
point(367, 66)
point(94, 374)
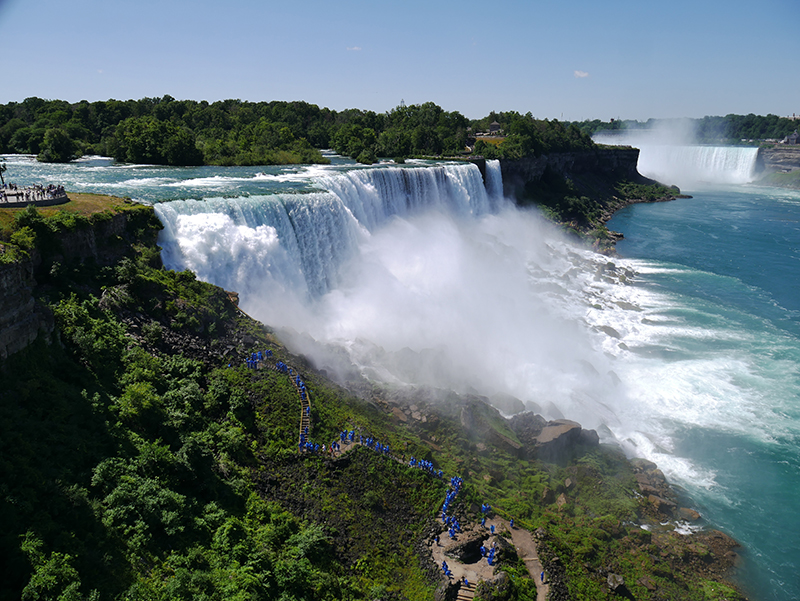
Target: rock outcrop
point(617, 162)
point(467, 550)
point(554, 441)
point(778, 159)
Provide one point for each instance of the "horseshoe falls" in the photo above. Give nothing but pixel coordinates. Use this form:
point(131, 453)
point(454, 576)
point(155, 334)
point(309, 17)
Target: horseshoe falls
point(669, 158)
point(684, 350)
point(691, 166)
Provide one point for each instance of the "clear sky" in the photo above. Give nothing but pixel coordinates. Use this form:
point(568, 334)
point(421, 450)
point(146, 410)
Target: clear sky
point(565, 59)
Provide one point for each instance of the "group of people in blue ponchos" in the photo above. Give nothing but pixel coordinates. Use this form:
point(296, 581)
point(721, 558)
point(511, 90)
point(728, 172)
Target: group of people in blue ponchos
point(446, 569)
point(369, 442)
point(425, 466)
point(489, 553)
point(451, 522)
point(307, 445)
point(301, 386)
point(256, 358)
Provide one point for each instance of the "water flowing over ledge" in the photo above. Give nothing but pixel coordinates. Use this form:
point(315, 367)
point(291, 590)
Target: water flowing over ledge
point(308, 237)
point(690, 166)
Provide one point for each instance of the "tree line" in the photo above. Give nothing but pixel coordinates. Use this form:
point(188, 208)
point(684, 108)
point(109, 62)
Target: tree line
point(167, 131)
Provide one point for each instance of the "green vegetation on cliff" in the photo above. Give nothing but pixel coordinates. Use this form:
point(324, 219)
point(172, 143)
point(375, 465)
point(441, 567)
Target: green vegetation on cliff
point(141, 459)
point(782, 180)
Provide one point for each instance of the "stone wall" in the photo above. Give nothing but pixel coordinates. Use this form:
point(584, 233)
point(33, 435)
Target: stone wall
point(21, 318)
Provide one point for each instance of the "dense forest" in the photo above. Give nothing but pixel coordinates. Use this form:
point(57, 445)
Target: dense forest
point(166, 131)
point(730, 129)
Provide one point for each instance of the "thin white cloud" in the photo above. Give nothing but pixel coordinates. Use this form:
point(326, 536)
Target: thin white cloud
point(354, 48)
point(581, 74)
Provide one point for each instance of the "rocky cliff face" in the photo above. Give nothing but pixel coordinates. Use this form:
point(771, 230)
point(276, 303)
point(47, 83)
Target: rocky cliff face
point(779, 159)
point(616, 163)
point(22, 317)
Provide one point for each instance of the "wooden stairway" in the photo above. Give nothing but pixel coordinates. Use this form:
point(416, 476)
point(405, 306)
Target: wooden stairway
point(305, 409)
point(466, 593)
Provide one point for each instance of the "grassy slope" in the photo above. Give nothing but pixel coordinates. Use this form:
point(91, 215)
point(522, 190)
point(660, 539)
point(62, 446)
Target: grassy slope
point(782, 180)
point(136, 463)
point(85, 205)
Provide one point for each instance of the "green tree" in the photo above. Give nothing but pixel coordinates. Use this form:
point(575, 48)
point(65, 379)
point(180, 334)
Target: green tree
point(148, 140)
point(54, 576)
point(57, 147)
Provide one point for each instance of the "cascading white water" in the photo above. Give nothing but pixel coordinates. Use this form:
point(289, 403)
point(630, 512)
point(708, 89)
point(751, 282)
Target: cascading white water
point(494, 179)
point(419, 274)
point(298, 243)
point(690, 166)
point(669, 156)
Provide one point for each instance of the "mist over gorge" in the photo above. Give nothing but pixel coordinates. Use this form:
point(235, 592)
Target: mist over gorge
point(414, 275)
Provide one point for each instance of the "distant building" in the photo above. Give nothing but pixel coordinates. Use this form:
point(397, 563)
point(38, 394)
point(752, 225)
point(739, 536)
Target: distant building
point(494, 127)
point(791, 138)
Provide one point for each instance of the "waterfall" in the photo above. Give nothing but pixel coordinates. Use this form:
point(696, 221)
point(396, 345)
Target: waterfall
point(298, 243)
point(667, 155)
point(494, 179)
point(689, 166)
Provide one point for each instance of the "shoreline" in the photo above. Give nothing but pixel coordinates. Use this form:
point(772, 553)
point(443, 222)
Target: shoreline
point(652, 482)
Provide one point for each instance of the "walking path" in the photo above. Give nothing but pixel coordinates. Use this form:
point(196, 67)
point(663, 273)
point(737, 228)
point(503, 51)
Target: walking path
point(467, 574)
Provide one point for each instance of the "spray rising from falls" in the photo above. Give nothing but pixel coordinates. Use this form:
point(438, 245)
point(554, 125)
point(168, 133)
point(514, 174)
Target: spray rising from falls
point(419, 276)
point(412, 275)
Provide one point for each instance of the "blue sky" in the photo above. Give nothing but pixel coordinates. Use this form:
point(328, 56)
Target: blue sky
point(568, 59)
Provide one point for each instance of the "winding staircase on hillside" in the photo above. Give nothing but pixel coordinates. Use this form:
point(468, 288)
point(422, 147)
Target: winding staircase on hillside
point(522, 539)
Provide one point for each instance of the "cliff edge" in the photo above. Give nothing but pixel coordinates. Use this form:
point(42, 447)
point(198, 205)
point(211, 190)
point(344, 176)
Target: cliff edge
point(582, 190)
